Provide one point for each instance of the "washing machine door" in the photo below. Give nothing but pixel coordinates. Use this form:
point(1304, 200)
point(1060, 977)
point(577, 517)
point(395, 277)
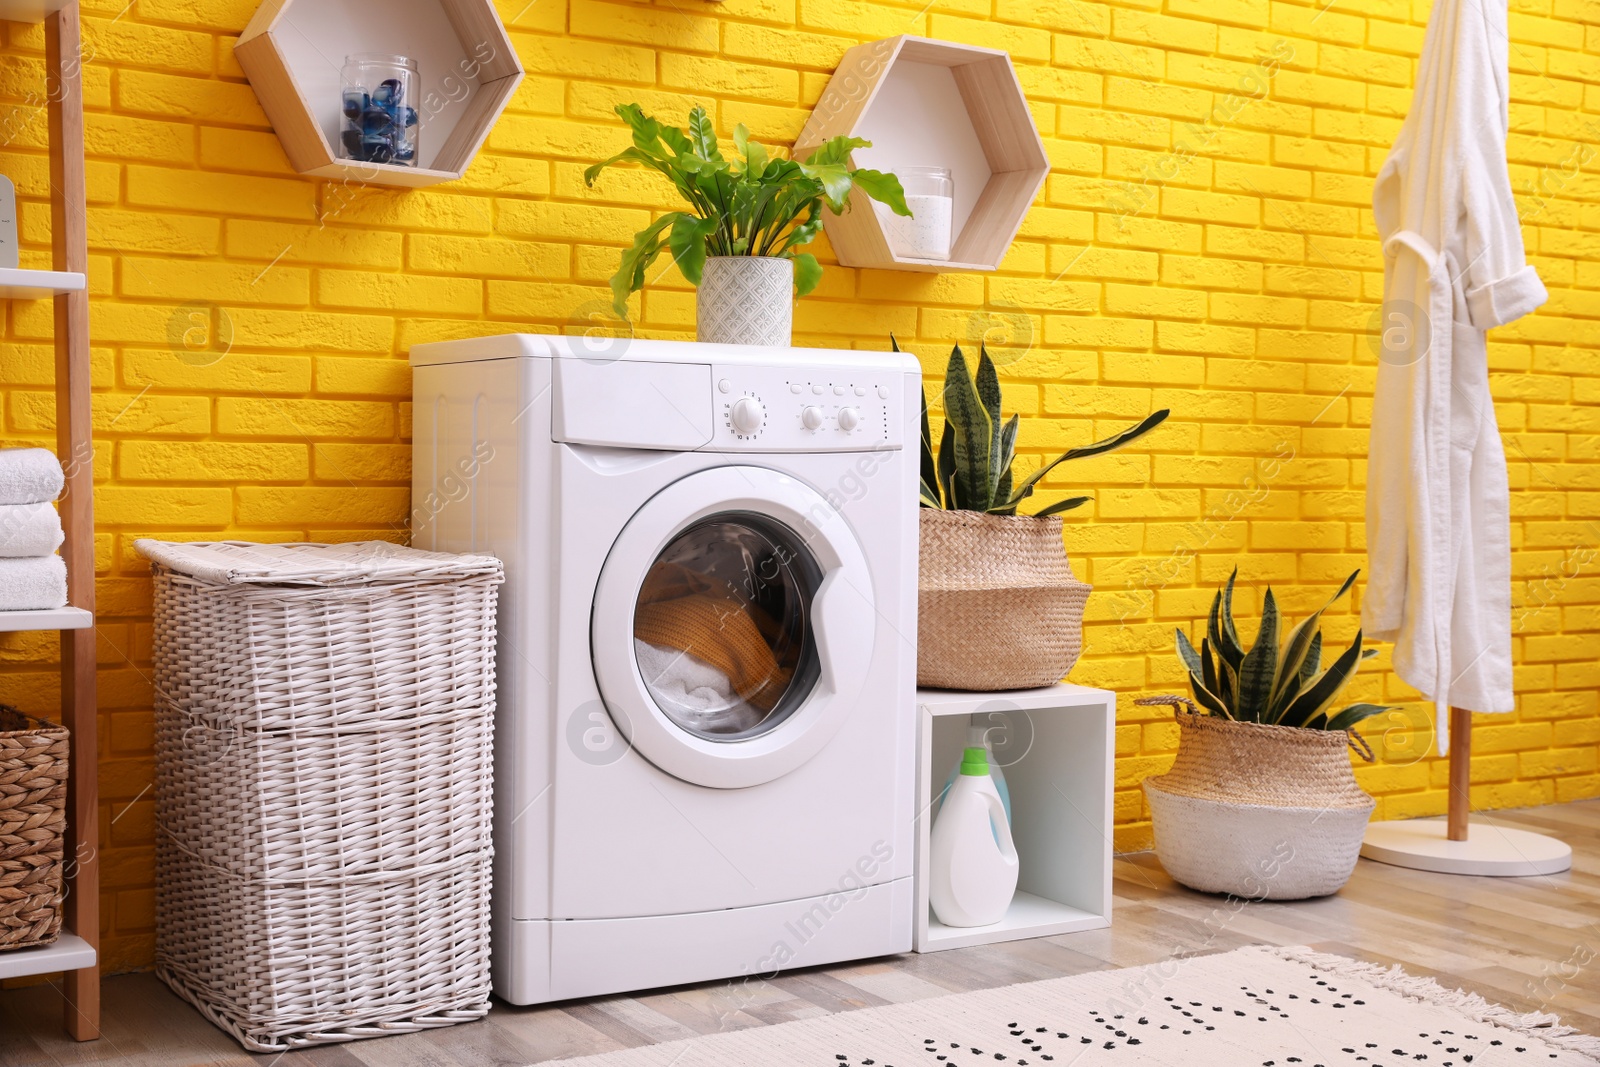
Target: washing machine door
point(733, 626)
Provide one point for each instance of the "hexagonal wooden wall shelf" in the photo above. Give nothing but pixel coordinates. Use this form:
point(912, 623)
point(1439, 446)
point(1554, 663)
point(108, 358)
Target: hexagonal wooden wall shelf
point(933, 104)
point(467, 70)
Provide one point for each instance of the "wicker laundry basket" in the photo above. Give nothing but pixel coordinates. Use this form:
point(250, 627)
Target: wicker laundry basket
point(324, 720)
point(1256, 811)
point(998, 606)
point(33, 824)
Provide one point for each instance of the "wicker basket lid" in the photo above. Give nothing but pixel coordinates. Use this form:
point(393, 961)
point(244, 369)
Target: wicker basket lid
point(352, 563)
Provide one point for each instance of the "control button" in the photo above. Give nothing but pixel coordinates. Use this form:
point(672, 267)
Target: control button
point(747, 415)
point(817, 389)
point(883, 392)
point(795, 387)
point(724, 386)
point(838, 390)
point(861, 390)
point(849, 418)
point(811, 417)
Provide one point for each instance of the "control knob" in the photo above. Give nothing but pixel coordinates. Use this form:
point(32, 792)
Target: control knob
point(811, 417)
point(747, 415)
point(849, 418)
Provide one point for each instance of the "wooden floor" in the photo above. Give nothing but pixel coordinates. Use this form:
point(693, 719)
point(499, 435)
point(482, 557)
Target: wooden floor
point(1526, 943)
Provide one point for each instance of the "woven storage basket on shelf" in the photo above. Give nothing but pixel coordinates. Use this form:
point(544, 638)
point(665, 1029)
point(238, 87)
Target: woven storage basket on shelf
point(324, 720)
point(33, 825)
point(1261, 812)
point(997, 604)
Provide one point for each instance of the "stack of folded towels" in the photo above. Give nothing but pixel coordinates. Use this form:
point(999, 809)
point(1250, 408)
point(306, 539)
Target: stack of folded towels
point(31, 574)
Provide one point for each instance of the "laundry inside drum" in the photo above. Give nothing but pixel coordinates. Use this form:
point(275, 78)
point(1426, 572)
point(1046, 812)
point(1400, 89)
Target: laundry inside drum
point(722, 627)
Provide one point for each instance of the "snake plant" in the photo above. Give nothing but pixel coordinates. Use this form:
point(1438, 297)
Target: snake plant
point(972, 469)
point(1284, 686)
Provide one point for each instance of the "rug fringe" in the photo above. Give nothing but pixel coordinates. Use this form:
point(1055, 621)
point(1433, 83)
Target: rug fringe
point(1541, 1025)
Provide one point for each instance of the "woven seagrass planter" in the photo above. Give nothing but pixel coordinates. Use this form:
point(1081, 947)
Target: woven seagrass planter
point(33, 823)
point(998, 606)
point(1260, 812)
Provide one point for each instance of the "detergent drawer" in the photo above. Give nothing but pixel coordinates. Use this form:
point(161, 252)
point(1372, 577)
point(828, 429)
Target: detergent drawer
point(623, 404)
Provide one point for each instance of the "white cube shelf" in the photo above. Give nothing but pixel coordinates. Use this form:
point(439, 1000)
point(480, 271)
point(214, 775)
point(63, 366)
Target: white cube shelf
point(1056, 746)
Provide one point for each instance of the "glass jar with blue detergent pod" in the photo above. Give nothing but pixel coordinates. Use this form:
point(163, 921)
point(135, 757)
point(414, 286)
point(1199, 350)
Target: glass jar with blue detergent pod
point(378, 109)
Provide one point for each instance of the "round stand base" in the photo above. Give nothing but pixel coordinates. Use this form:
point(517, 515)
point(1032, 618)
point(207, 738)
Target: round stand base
point(1497, 851)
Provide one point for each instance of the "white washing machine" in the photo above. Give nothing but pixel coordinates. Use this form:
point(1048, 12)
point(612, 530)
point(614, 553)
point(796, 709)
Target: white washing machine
point(705, 736)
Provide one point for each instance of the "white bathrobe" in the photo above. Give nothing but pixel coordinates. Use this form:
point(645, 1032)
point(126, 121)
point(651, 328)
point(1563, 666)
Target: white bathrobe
point(1438, 523)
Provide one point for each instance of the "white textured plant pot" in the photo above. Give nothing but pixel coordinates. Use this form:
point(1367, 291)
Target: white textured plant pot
point(745, 300)
point(1256, 851)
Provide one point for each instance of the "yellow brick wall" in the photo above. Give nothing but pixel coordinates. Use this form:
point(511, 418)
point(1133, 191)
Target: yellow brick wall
point(1203, 243)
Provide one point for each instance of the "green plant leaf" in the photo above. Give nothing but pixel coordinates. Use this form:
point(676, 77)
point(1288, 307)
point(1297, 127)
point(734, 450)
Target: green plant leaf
point(646, 130)
point(647, 245)
point(1191, 658)
point(974, 434)
point(1259, 669)
point(1115, 441)
point(1299, 643)
point(1228, 684)
point(1206, 698)
point(835, 150)
point(807, 272)
point(988, 390)
point(806, 231)
point(835, 181)
point(1320, 693)
point(947, 466)
point(1313, 661)
point(885, 188)
point(1208, 668)
point(688, 244)
point(930, 466)
point(1356, 713)
point(703, 135)
point(1008, 453)
point(1061, 505)
point(1228, 649)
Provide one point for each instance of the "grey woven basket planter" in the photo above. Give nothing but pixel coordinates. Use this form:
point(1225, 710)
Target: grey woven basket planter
point(1260, 812)
point(324, 719)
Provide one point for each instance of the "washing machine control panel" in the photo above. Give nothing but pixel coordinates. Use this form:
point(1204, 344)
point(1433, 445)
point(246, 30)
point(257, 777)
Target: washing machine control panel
point(767, 409)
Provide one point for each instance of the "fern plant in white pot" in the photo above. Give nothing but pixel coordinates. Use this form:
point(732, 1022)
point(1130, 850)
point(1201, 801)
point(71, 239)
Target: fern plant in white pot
point(998, 606)
point(740, 243)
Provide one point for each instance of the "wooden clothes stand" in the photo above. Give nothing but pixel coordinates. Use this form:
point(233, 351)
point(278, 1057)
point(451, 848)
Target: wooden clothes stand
point(75, 952)
point(1456, 847)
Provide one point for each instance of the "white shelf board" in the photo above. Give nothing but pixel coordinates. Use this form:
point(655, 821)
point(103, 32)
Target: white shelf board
point(1028, 916)
point(963, 702)
point(69, 952)
point(46, 619)
point(29, 10)
point(18, 284)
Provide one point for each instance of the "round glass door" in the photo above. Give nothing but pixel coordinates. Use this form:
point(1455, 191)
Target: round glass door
point(722, 627)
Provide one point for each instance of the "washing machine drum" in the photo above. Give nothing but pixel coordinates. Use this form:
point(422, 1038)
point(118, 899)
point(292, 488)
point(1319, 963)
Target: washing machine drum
point(733, 626)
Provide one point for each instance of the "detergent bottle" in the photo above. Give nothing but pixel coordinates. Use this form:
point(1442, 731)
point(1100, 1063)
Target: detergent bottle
point(972, 863)
point(978, 736)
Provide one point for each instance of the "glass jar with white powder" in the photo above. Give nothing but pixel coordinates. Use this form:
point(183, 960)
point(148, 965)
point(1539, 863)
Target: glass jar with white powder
point(930, 194)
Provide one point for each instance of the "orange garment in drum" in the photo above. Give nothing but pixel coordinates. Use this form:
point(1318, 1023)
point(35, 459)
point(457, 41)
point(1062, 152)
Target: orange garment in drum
point(684, 609)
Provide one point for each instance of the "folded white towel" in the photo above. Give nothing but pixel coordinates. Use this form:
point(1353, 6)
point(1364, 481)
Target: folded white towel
point(29, 529)
point(33, 582)
point(29, 475)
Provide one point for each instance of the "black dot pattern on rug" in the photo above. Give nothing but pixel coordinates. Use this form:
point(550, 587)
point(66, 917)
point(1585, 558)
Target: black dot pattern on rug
point(1121, 1031)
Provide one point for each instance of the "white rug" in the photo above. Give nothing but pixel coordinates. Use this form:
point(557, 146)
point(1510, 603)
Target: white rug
point(1254, 1007)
